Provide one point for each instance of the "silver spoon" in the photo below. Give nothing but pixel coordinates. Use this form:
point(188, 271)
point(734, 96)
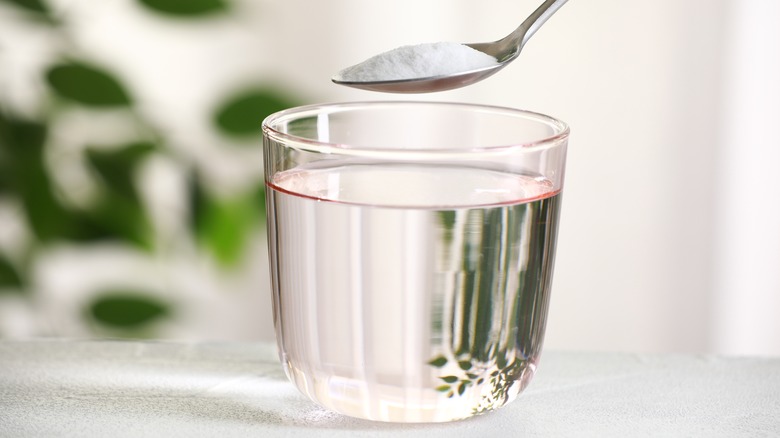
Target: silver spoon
point(504, 50)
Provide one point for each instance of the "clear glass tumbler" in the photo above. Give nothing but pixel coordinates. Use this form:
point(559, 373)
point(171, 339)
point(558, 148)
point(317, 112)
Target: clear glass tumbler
point(411, 248)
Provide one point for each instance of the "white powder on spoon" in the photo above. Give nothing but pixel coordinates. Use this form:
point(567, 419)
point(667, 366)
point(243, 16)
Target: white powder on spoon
point(417, 61)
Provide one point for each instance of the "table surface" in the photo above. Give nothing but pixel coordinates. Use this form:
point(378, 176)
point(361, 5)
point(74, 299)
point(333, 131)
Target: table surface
point(123, 388)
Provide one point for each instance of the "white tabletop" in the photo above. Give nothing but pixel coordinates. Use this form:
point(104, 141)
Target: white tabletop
point(121, 388)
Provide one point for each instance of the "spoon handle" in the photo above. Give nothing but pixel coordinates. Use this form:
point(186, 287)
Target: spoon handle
point(522, 34)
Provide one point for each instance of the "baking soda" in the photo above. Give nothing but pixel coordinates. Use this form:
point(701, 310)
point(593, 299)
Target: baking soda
point(417, 61)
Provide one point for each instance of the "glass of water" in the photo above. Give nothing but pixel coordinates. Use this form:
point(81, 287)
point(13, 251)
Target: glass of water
point(411, 248)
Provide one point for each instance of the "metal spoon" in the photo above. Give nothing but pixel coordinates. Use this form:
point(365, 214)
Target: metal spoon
point(504, 50)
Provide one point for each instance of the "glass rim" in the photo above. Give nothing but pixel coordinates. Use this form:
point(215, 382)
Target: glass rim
point(270, 123)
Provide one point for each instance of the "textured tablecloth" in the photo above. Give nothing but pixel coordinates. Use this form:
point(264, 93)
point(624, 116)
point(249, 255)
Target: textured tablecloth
point(120, 388)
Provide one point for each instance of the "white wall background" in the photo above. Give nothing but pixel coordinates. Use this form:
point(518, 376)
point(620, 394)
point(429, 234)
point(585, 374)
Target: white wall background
point(746, 280)
point(670, 236)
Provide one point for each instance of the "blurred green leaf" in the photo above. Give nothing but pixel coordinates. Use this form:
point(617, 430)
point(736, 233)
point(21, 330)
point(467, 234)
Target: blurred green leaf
point(120, 214)
point(22, 144)
point(86, 84)
point(6, 161)
point(123, 220)
point(438, 362)
point(20, 138)
point(30, 5)
point(224, 225)
point(186, 8)
point(124, 309)
point(243, 114)
point(117, 168)
point(87, 227)
point(45, 213)
point(9, 276)
point(5, 183)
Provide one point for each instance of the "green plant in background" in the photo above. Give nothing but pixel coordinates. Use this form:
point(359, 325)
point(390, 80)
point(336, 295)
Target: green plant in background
point(127, 312)
point(220, 224)
point(188, 8)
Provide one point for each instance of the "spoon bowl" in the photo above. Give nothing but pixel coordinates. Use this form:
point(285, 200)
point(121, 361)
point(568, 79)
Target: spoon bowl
point(424, 85)
point(504, 50)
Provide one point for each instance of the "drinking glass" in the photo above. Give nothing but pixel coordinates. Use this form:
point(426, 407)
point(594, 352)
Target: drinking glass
point(411, 248)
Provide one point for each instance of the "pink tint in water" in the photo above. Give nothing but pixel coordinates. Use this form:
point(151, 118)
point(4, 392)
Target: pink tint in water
point(408, 293)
